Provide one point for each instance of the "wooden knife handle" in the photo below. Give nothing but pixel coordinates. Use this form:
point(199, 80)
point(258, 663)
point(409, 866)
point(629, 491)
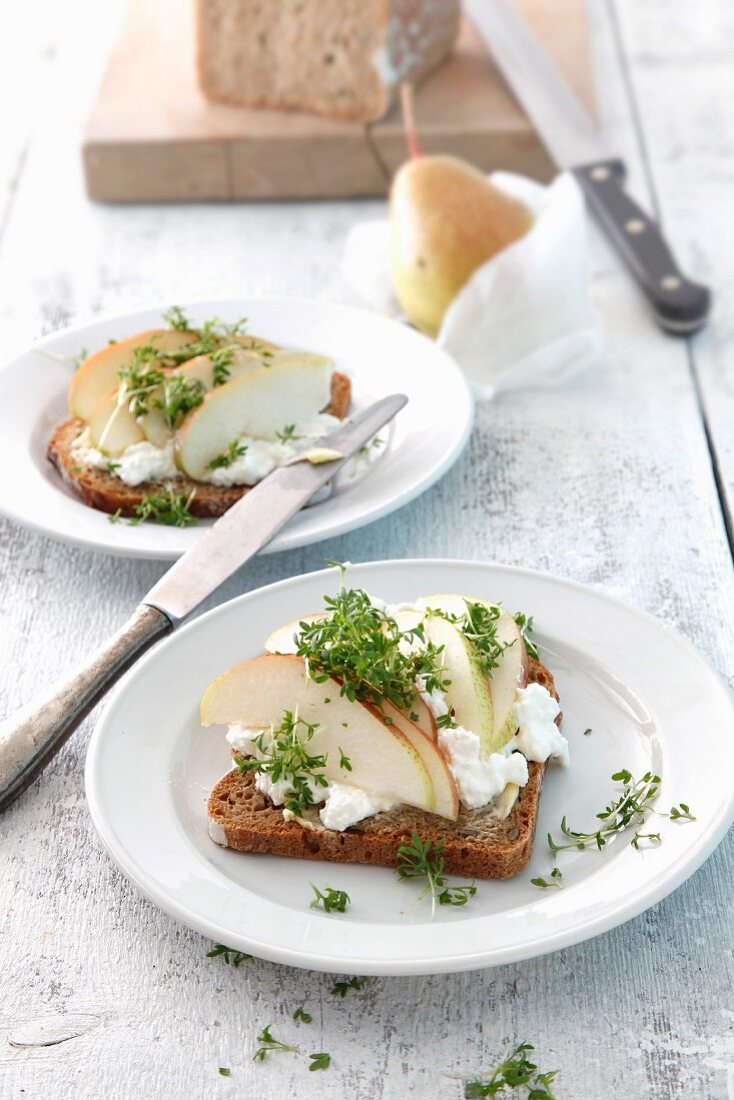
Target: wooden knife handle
point(681, 306)
point(31, 737)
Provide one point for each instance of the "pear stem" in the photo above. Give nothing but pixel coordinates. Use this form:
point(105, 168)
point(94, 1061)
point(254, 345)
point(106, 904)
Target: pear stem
point(407, 107)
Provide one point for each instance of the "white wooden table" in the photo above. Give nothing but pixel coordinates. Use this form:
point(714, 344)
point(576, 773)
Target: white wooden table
point(623, 480)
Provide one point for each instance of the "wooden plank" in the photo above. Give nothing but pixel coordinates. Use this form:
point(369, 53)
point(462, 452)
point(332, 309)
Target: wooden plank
point(152, 136)
point(607, 481)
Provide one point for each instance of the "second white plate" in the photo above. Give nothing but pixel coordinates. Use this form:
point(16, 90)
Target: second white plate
point(380, 356)
point(649, 699)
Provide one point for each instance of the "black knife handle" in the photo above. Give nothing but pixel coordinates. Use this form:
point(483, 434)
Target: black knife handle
point(681, 306)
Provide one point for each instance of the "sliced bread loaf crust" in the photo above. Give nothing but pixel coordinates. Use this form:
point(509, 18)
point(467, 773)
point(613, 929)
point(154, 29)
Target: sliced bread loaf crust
point(107, 493)
point(343, 58)
point(477, 845)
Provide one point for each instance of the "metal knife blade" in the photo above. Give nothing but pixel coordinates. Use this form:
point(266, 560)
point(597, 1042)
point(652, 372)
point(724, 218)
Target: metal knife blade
point(252, 522)
point(570, 136)
point(31, 737)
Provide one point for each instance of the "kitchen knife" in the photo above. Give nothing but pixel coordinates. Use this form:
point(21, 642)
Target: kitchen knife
point(31, 737)
point(681, 306)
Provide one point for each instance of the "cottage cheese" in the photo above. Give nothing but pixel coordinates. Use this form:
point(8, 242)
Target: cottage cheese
point(138, 463)
point(480, 779)
point(538, 737)
point(344, 805)
point(145, 462)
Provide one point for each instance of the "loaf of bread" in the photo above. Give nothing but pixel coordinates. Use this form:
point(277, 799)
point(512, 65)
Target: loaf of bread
point(343, 58)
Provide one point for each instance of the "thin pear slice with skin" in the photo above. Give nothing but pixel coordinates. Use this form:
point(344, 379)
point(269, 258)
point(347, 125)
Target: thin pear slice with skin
point(467, 695)
point(257, 693)
point(444, 785)
point(511, 672)
point(99, 374)
point(155, 424)
point(293, 389)
point(113, 428)
point(424, 718)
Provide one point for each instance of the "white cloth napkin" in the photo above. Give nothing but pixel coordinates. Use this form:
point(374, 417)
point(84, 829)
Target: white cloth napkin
point(524, 317)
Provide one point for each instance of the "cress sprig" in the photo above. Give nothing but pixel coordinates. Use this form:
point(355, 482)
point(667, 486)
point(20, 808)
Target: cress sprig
point(342, 987)
point(424, 859)
point(229, 954)
point(285, 756)
point(234, 451)
point(139, 379)
point(633, 807)
point(167, 506)
point(330, 900)
point(479, 625)
point(269, 1044)
point(363, 647)
point(180, 395)
point(514, 1072)
point(525, 622)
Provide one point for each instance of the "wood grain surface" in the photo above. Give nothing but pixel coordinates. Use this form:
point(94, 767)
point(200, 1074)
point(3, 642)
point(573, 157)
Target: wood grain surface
point(609, 481)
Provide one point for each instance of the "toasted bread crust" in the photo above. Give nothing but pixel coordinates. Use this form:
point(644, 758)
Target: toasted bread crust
point(477, 845)
point(108, 493)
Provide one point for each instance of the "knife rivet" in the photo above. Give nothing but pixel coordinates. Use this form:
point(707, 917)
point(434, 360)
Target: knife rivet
point(670, 282)
point(600, 173)
point(635, 225)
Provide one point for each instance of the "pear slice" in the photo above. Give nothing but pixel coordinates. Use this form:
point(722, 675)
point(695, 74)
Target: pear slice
point(200, 369)
point(512, 669)
point(256, 694)
point(258, 345)
point(510, 674)
point(283, 639)
point(296, 387)
point(424, 717)
point(444, 785)
point(468, 694)
point(407, 619)
point(112, 427)
point(98, 374)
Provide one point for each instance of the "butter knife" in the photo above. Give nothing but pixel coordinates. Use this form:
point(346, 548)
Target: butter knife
point(30, 738)
point(681, 306)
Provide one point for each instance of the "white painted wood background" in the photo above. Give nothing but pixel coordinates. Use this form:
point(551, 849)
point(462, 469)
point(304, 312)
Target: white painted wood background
point(610, 481)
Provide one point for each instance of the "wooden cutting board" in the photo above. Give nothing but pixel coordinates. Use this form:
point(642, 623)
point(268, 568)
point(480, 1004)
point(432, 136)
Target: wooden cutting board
point(153, 137)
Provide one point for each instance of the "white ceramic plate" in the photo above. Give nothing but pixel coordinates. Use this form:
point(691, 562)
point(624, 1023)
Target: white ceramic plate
point(380, 356)
point(649, 699)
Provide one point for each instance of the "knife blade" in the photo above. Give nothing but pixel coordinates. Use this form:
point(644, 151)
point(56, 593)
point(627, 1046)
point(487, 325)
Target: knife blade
point(30, 738)
point(681, 306)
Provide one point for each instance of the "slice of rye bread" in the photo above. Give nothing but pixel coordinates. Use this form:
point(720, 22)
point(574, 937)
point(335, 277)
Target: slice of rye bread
point(107, 493)
point(478, 845)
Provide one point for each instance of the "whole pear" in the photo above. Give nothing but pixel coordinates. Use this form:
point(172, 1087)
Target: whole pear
point(446, 220)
